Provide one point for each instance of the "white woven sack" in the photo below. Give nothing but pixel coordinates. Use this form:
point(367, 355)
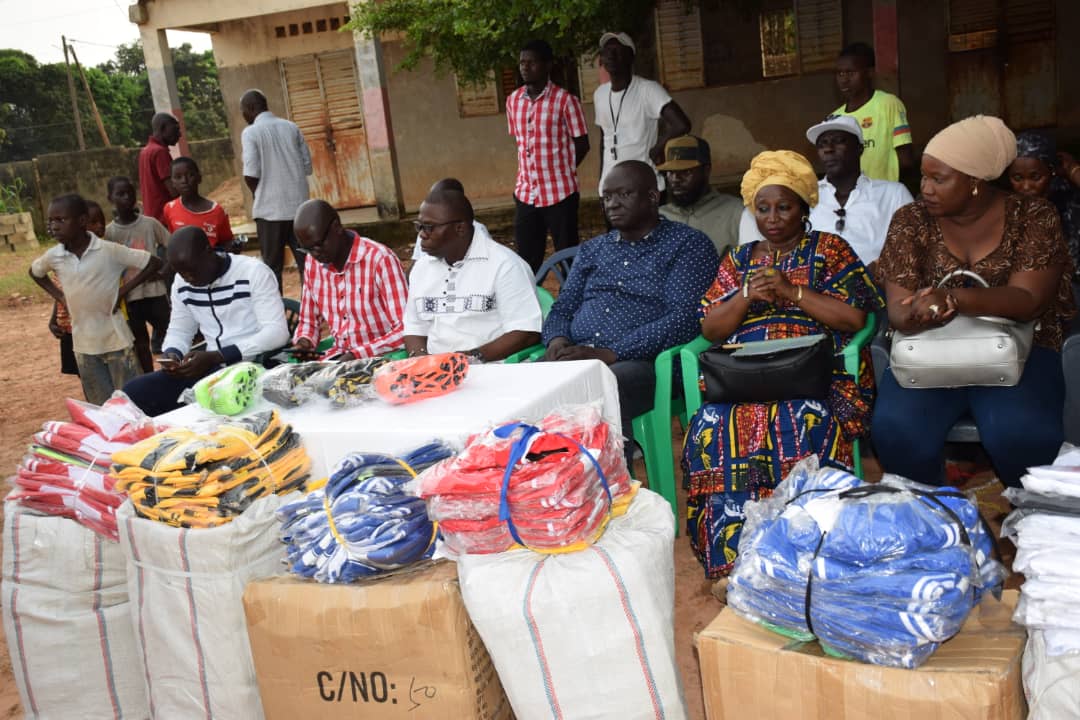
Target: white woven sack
point(67, 620)
point(585, 635)
point(186, 587)
point(1051, 683)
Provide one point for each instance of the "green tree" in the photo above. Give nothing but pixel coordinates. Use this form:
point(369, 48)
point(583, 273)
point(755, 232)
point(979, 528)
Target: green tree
point(470, 37)
point(35, 106)
point(32, 114)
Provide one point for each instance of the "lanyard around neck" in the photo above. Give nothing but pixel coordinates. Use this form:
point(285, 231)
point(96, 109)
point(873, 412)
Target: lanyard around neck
point(615, 117)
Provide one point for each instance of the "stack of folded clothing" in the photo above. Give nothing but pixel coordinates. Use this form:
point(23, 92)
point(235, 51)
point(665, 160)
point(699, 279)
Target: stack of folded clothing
point(550, 487)
point(1046, 529)
point(881, 573)
point(362, 522)
point(189, 479)
point(65, 472)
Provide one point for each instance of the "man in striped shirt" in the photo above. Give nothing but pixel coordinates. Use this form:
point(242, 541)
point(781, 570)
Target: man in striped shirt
point(355, 284)
point(552, 138)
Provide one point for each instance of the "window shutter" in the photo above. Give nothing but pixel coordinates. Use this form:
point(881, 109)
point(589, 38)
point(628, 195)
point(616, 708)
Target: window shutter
point(1029, 20)
point(679, 45)
point(820, 25)
point(972, 24)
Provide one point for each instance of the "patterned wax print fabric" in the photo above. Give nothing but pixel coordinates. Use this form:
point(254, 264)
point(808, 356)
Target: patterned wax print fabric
point(735, 452)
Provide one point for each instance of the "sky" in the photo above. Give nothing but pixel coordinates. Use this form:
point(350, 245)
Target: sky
point(93, 27)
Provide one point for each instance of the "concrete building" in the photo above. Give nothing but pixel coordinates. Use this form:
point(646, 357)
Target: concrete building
point(751, 77)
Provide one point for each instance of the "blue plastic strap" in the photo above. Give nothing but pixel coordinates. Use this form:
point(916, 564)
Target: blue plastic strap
point(517, 453)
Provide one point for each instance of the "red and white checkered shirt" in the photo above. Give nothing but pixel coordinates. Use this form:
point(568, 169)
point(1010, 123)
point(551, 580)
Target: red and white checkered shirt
point(363, 305)
point(545, 129)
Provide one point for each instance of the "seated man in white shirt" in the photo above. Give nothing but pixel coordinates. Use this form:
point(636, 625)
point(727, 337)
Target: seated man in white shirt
point(232, 300)
point(467, 292)
point(850, 204)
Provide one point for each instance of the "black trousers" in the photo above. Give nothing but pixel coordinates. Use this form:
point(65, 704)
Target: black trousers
point(274, 235)
point(531, 226)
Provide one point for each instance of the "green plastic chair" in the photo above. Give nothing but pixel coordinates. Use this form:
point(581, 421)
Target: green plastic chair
point(534, 352)
point(689, 359)
point(652, 429)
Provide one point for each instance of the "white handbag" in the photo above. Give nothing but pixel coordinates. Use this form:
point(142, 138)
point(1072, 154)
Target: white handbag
point(968, 350)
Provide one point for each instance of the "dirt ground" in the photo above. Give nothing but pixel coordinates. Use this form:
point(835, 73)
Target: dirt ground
point(34, 391)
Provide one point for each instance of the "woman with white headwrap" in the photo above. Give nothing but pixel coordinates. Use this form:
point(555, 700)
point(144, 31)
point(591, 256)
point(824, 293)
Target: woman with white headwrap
point(794, 282)
point(962, 221)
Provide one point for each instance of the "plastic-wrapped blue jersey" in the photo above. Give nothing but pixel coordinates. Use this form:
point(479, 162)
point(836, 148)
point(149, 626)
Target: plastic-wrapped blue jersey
point(362, 522)
point(881, 573)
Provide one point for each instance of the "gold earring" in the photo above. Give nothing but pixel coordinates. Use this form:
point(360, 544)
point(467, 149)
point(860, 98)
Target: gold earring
point(974, 191)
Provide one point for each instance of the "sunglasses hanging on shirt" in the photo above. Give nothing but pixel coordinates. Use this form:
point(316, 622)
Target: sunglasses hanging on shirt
point(840, 214)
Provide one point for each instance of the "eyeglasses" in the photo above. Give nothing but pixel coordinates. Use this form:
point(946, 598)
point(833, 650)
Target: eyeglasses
point(430, 227)
point(840, 219)
point(316, 245)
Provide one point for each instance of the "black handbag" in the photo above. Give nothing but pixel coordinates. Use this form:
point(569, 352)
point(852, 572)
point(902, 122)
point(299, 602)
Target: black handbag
point(755, 372)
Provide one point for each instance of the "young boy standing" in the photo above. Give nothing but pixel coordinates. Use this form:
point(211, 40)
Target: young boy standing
point(89, 270)
point(148, 303)
point(882, 117)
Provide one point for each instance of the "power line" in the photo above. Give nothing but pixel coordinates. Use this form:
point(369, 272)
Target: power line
point(87, 42)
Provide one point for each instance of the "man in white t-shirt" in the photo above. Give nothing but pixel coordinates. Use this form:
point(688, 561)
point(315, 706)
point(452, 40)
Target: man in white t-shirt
point(628, 110)
point(467, 292)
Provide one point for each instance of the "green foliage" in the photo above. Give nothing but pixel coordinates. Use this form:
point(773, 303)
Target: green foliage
point(471, 37)
point(11, 197)
point(35, 106)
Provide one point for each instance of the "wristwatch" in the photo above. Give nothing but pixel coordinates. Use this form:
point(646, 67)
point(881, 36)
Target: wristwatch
point(475, 354)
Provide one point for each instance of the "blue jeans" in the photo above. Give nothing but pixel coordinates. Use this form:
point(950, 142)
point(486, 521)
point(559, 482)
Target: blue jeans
point(102, 374)
point(157, 392)
point(1019, 426)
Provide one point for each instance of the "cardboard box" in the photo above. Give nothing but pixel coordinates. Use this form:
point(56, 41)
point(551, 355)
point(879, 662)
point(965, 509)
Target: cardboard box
point(750, 672)
point(397, 647)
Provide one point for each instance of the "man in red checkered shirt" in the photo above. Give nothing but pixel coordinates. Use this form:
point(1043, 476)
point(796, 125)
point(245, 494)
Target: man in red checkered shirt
point(355, 284)
point(552, 139)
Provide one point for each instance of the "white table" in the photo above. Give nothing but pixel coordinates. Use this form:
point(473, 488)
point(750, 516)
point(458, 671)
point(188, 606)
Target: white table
point(491, 394)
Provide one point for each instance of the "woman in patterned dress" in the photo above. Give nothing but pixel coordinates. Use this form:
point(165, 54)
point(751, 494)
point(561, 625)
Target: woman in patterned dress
point(1014, 243)
point(795, 282)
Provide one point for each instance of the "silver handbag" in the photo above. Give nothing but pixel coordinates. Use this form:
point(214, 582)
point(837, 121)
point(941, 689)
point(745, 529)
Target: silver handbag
point(968, 350)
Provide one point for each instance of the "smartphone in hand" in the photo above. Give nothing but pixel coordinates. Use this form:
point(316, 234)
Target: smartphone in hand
point(167, 362)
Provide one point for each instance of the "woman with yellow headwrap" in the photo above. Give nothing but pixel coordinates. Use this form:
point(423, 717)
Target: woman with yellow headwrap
point(1013, 242)
point(795, 282)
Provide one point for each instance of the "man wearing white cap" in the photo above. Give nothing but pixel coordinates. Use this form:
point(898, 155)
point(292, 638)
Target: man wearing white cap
point(851, 204)
point(628, 109)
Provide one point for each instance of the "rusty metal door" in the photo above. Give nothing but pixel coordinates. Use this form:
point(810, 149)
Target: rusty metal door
point(974, 59)
point(323, 99)
point(1002, 61)
point(1030, 78)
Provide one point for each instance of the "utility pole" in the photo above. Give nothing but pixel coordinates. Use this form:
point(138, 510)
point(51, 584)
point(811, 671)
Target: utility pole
point(93, 105)
point(74, 99)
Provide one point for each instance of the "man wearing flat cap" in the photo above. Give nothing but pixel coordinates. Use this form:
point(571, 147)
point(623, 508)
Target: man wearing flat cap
point(686, 168)
point(629, 109)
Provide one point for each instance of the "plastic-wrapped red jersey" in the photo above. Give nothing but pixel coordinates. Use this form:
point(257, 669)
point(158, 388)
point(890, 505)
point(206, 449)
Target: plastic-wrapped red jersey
point(566, 474)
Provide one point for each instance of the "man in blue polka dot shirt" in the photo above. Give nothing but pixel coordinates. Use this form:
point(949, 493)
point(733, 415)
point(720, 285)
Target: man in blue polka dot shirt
point(632, 292)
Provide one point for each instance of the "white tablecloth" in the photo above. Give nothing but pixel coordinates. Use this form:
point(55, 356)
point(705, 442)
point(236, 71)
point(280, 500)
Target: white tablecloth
point(494, 393)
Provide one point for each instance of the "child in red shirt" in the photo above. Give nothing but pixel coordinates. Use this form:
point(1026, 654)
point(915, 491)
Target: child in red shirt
point(191, 208)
